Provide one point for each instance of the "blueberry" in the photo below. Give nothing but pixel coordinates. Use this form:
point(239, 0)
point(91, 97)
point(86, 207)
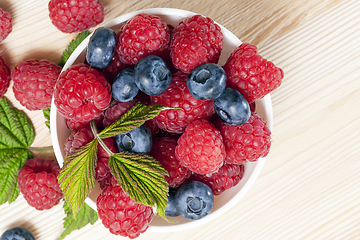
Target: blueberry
point(138, 140)
point(152, 76)
point(232, 107)
point(124, 88)
point(171, 210)
point(207, 81)
point(194, 200)
point(17, 233)
point(101, 47)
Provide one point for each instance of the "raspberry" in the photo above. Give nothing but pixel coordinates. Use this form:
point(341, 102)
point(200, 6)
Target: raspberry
point(37, 181)
point(75, 15)
point(141, 36)
point(251, 74)
point(196, 40)
point(228, 176)
point(114, 68)
point(115, 110)
point(120, 214)
point(102, 170)
point(82, 93)
point(78, 139)
point(201, 147)
point(163, 150)
point(34, 82)
point(4, 76)
point(75, 125)
point(247, 142)
point(178, 95)
point(83, 136)
point(5, 24)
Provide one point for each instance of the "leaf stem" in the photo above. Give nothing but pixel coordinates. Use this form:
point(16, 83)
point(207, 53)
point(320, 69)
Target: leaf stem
point(96, 134)
point(41, 149)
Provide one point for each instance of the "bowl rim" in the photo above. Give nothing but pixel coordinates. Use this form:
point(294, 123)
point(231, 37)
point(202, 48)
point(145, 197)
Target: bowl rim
point(266, 102)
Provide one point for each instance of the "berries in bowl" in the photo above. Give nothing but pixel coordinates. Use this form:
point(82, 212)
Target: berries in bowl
point(186, 122)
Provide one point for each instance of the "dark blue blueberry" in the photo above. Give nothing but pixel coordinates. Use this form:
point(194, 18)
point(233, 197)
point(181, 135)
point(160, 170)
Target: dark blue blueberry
point(152, 76)
point(138, 140)
point(207, 81)
point(17, 233)
point(232, 107)
point(124, 88)
point(194, 200)
point(101, 47)
point(171, 210)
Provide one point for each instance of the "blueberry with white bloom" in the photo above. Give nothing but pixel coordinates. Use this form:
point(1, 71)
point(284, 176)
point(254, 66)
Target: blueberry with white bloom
point(152, 76)
point(101, 47)
point(194, 200)
point(232, 107)
point(138, 140)
point(124, 88)
point(207, 81)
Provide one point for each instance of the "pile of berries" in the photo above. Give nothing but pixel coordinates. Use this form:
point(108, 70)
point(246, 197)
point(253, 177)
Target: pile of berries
point(203, 144)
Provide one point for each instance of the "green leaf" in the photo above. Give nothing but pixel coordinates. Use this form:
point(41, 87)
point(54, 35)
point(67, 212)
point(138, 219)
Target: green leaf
point(16, 129)
point(77, 176)
point(142, 177)
point(11, 160)
point(46, 113)
point(132, 119)
point(72, 46)
point(85, 215)
point(16, 135)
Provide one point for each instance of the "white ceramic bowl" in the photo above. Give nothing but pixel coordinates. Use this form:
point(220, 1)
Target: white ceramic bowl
point(223, 202)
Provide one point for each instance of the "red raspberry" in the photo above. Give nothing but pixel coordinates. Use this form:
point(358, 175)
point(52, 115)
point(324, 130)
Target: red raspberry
point(34, 82)
point(5, 24)
point(83, 136)
point(75, 125)
point(141, 36)
point(251, 74)
point(228, 176)
point(102, 170)
point(78, 139)
point(82, 93)
point(120, 214)
point(163, 150)
point(75, 15)
point(196, 40)
point(178, 95)
point(247, 142)
point(37, 181)
point(201, 147)
point(4, 76)
point(115, 110)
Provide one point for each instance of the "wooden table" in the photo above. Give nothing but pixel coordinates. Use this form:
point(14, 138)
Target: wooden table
point(309, 186)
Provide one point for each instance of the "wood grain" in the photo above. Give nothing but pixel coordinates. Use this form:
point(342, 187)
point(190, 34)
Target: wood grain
point(309, 186)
